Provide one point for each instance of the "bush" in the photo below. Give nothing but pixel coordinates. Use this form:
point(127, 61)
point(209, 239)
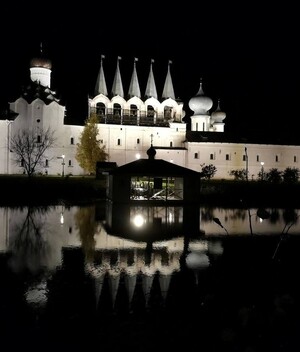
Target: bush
point(208, 171)
point(239, 175)
point(274, 175)
point(290, 175)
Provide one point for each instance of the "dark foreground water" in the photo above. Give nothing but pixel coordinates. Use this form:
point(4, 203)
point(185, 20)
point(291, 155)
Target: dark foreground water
point(76, 287)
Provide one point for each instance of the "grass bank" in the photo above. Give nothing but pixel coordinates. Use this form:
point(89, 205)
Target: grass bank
point(251, 193)
point(19, 190)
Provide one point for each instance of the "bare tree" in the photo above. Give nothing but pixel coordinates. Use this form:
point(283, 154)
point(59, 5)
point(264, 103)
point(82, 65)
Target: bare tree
point(30, 149)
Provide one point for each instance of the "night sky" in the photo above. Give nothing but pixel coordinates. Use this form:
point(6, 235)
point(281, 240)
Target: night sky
point(246, 55)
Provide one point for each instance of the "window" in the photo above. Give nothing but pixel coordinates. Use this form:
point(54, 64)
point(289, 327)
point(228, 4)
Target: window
point(70, 163)
point(196, 156)
point(168, 112)
point(117, 109)
point(133, 110)
point(46, 163)
point(119, 141)
point(171, 144)
point(138, 141)
point(257, 157)
point(227, 157)
point(276, 158)
point(100, 109)
point(72, 140)
point(295, 159)
point(38, 139)
point(211, 157)
point(244, 157)
point(150, 111)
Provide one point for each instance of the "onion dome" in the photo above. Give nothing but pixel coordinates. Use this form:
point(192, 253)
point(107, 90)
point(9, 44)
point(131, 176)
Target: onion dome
point(41, 62)
point(200, 103)
point(151, 152)
point(218, 115)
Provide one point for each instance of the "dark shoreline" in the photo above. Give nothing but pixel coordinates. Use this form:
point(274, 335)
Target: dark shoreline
point(43, 190)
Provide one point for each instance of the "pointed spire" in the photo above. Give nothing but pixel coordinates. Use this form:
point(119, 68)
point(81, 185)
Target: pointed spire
point(200, 91)
point(151, 87)
point(100, 87)
point(117, 88)
point(134, 87)
point(168, 91)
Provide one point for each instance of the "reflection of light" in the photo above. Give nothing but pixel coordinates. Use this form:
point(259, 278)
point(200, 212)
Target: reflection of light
point(138, 220)
point(137, 156)
point(171, 217)
point(62, 220)
point(171, 161)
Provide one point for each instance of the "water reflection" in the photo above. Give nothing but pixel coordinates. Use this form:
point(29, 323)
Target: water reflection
point(78, 266)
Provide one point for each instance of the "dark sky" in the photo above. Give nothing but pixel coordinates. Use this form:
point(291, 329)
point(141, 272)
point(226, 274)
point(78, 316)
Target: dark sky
point(246, 55)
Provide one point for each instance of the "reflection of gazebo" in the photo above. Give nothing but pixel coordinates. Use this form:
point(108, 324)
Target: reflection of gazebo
point(153, 180)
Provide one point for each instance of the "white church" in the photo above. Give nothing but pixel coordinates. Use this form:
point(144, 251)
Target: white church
point(129, 122)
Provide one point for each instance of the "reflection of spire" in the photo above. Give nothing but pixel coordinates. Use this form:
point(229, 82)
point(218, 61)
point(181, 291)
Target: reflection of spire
point(130, 283)
point(164, 281)
point(147, 285)
point(114, 279)
point(98, 286)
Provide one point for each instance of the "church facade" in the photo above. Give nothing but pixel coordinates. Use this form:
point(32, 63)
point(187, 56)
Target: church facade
point(130, 121)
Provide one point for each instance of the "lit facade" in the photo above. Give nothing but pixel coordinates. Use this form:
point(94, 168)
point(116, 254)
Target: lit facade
point(130, 122)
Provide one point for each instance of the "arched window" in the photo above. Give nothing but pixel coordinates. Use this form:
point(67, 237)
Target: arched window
point(117, 109)
point(133, 110)
point(100, 109)
point(150, 111)
point(168, 112)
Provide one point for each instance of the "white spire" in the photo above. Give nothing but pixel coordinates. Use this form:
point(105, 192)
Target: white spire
point(134, 88)
point(117, 88)
point(168, 91)
point(100, 87)
point(151, 87)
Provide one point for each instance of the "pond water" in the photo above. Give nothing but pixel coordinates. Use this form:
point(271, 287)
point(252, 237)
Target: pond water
point(145, 278)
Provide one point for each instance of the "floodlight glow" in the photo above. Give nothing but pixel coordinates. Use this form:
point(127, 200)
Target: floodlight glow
point(138, 220)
